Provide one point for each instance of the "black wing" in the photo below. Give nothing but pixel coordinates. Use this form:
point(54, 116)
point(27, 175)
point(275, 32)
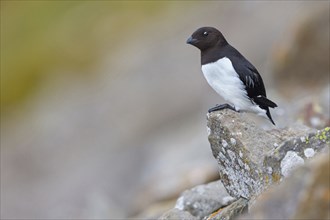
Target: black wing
point(254, 85)
point(251, 79)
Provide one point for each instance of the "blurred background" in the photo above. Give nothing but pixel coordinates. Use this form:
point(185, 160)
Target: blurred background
point(103, 104)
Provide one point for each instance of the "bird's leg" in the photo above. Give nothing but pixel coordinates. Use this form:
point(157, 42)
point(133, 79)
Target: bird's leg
point(221, 107)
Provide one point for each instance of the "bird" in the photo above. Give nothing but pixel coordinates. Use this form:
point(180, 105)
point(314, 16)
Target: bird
point(230, 74)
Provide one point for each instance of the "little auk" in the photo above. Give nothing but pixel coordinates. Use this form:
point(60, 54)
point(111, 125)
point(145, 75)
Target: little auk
point(230, 74)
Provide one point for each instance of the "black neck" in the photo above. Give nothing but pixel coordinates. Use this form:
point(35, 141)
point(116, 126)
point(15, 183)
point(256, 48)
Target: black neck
point(213, 54)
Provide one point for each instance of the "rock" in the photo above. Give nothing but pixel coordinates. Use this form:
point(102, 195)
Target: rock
point(303, 195)
point(293, 153)
point(177, 214)
point(155, 210)
point(230, 212)
point(202, 200)
point(250, 158)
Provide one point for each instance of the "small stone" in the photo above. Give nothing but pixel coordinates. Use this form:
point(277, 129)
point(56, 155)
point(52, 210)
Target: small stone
point(202, 200)
point(309, 152)
point(233, 141)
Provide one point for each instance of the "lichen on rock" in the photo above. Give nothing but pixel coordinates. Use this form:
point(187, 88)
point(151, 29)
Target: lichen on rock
point(290, 162)
point(250, 158)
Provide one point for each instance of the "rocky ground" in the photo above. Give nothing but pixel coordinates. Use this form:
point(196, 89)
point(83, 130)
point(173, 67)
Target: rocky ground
point(275, 174)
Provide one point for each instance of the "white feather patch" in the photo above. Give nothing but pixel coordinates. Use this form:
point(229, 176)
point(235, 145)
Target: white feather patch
point(223, 78)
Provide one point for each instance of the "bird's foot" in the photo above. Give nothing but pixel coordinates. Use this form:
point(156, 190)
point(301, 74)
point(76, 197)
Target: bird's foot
point(221, 107)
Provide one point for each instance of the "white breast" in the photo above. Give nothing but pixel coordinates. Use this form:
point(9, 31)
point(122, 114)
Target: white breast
point(223, 78)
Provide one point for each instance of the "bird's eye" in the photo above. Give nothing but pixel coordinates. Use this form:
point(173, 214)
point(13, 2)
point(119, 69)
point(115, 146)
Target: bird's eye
point(205, 33)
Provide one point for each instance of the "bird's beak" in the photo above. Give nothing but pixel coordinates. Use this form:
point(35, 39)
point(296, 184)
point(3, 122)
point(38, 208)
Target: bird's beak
point(191, 40)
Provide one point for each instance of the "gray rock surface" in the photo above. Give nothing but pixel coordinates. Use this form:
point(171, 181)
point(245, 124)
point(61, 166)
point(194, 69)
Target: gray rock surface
point(177, 214)
point(250, 158)
point(303, 195)
point(293, 153)
point(200, 201)
point(230, 212)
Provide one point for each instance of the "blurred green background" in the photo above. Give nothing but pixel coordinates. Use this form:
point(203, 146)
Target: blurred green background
point(40, 36)
point(103, 103)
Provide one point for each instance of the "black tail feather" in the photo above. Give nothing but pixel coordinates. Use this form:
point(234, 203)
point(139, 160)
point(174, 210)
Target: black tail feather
point(269, 116)
point(263, 101)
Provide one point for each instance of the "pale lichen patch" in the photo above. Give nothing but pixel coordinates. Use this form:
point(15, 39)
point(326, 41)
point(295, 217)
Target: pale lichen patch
point(231, 155)
point(240, 162)
point(240, 154)
point(309, 152)
point(290, 162)
point(233, 141)
point(269, 170)
point(236, 133)
point(180, 203)
point(227, 200)
point(224, 143)
point(246, 166)
point(303, 139)
point(208, 130)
